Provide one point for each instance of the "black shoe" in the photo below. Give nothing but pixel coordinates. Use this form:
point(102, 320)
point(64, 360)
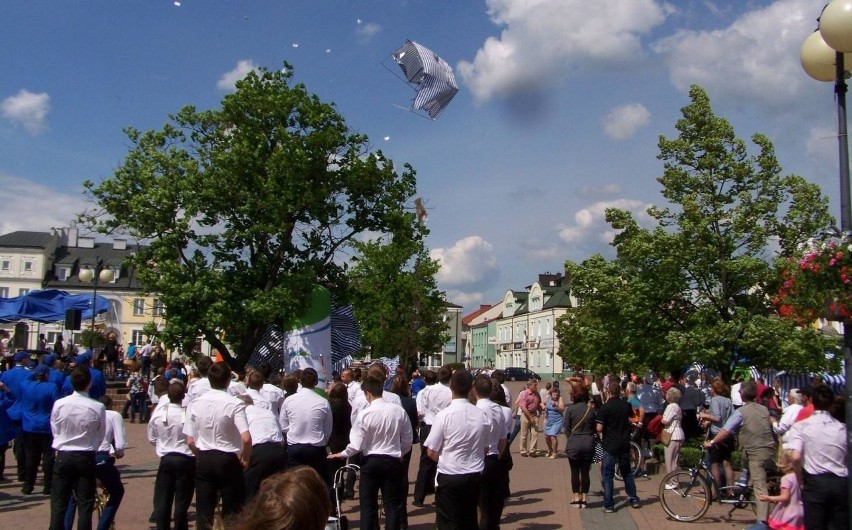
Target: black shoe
point(27, 490)
point(45, 491)
point(635, 504)
point(418, 504)
point(153, 518)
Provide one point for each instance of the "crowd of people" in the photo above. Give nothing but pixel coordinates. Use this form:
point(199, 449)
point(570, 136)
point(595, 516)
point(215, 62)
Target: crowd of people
point(268, 452)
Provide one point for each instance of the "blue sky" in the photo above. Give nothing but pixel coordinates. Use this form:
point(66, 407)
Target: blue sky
point(560, 107)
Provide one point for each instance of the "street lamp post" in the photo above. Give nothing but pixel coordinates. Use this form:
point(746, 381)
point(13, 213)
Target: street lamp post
point(95, 276)
point(824, 56)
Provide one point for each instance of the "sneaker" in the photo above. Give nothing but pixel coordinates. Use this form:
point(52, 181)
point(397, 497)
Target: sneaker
point(740, 483)
point(671, 486)
point(552, 456)
point(608, 510)
point(635, 504)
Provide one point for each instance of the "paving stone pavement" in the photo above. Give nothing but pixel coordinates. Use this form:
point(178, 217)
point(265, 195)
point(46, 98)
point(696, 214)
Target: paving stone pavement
point(540, 495)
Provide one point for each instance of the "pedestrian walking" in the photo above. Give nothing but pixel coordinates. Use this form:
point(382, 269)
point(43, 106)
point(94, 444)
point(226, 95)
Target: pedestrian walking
point(529, 404)
point(554, 408)
point(580, 421)
point(614, 428)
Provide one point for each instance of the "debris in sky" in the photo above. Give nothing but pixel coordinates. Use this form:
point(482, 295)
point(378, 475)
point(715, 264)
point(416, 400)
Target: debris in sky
point(295, 44)
point(358, 21)
point(387, 138)
point(177, 4)
point(422, 214)
point(328, 50)
point(432, 77)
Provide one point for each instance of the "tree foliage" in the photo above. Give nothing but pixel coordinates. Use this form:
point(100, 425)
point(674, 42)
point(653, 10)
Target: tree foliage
point(697, 287)
point(244, 208)
point(396, 297)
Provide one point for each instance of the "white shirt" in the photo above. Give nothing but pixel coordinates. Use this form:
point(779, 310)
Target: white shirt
point(381, 429)
point(736, 399)
point(438, 397)
point(507, 392)
point(259, 401)
point(360, 402)
point(263, 425)
point(306, 418)
point(145, 351)
point(78, 423)
point(114, 438)
point(216, 421)
point(494, 426)
point(198, 388)
point(165, 430)
point(508, 419)
point(787, 419)
point(458, 436)
point(274, 395)
point(351, 389)
point(821, 440)
point(235, 388)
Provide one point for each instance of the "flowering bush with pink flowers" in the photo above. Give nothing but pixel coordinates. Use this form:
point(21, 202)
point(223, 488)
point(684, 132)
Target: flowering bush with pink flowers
point(818, 283)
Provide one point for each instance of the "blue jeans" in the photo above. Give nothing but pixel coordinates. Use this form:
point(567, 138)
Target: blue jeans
point(623, 461)
point(106, 472)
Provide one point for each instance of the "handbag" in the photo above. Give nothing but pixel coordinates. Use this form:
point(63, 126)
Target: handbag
point(666, 437)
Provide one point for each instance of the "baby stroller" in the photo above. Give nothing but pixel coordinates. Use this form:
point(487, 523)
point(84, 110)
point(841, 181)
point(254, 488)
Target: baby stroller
point(340, 522)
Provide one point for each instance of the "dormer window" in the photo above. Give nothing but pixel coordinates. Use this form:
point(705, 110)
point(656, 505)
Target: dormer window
point(62, 273)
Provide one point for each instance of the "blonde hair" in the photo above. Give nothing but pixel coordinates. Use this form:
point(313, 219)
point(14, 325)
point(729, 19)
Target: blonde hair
point(784, 463)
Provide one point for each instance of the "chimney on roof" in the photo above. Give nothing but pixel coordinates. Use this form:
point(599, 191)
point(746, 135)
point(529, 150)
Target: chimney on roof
point(119, 244)
point(85, 242)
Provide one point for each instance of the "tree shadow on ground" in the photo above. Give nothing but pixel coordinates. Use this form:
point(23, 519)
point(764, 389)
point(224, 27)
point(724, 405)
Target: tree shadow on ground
point(526, 516)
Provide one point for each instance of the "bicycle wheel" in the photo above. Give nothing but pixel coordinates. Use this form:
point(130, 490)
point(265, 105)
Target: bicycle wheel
point(685, 497)
point(635, 461)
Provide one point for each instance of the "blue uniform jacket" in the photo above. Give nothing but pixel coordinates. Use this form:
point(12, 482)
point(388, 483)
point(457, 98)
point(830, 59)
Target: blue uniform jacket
point(97, 390)
point(37, 399)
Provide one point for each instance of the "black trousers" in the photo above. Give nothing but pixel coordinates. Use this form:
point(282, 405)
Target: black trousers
point(825, 502)
point(218, 473)
point(266, 459)
point(349, 490)
point(38, 448)
point(385, 474)
point(73, 472)
point(20, 452)
point(425, 483)
point(491, 489)
point(456, 500)
point(311, 456)
point(175, 485)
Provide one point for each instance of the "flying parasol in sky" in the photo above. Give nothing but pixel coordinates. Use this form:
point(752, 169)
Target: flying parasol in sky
point(430, 75)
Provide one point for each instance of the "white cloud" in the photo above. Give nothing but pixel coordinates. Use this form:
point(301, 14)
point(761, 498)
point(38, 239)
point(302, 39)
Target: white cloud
point(28, 109)
point(465, 299)
point(25, 203)
point(470, 262)
point(622, 122)
point(542, 42)
point(590, 226)
point(229, 79)
point(755, 59)
point(367, 31)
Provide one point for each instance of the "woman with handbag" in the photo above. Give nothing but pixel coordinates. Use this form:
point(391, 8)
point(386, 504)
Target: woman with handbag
point(672, 435)
point(580, 419)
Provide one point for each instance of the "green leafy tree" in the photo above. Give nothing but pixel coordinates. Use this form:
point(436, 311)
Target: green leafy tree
point(396, 298)
point(697, 287)
point(245, 208)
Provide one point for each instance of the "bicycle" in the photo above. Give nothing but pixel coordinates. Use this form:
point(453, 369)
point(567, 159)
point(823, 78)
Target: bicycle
point(636, 457)
point(686, 494)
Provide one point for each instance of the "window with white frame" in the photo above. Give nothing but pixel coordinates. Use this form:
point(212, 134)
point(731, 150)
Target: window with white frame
point(138, 306)
point(23, 291)
point(4, 292)
point(28, 266)
point(62, 273)
point(136, 336)
point(159, 309)
point(6, 265)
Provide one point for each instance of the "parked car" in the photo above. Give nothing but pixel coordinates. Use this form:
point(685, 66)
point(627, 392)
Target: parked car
point(520, 374)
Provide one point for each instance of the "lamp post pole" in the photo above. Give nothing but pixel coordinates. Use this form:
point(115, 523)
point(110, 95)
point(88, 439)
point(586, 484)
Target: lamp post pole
point(96, 275)
point(824, 49)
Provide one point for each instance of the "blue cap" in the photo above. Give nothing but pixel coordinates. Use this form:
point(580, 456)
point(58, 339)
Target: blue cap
point(41, 369)
point(83, 358)
point(21, 356)
point(49, 360)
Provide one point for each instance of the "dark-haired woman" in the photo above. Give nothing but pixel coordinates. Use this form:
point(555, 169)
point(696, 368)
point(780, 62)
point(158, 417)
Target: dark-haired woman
point(580, 419)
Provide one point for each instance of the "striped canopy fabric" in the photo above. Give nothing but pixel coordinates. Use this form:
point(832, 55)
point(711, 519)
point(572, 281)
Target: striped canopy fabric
point(431, 76)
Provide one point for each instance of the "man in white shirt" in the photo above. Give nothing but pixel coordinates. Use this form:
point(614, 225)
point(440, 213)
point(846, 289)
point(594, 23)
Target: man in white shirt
point(382, 434)
point(432, 399)
point(78, 424)
point(175, 482)
point(254, 384)
point(458, 443)
point(491, 499)
point(268, 455)
point(270, 392)
point(202, 385)
point(216, 427)
point(736, 400)
point(112, 446)
point(306, 420)
point(347, 378)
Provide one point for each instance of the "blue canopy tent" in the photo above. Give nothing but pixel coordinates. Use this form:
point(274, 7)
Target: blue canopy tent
point(49, 305)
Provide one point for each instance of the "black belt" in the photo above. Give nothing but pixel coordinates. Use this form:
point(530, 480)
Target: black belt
point(265, 444)
point(386, 457)
point(174, 453)
point(82, 453)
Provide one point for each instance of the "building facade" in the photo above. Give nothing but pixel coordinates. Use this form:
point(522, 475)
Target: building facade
point(525, 331)
point(41, 260)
